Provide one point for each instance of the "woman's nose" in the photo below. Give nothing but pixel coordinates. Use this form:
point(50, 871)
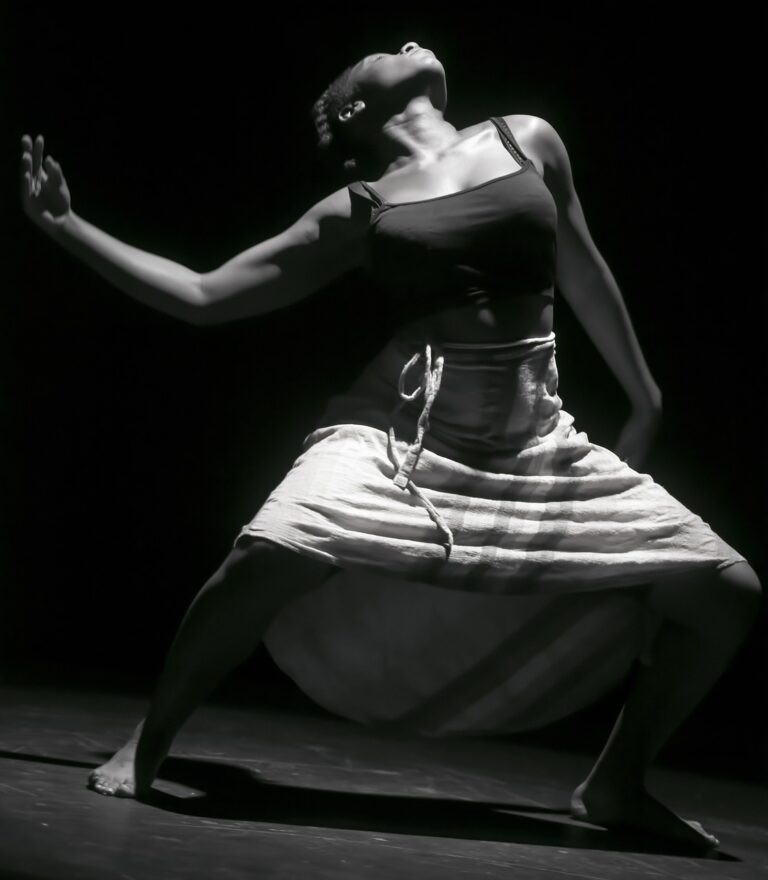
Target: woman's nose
point(408, 47)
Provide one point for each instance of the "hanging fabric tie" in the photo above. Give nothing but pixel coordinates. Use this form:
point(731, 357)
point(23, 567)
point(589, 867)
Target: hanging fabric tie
point(430, 385)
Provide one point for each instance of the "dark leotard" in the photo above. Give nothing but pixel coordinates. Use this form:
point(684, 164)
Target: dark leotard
point(494, 240)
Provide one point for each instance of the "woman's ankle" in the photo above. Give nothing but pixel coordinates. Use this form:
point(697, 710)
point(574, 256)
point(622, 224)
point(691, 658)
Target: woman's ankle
point(615, 777)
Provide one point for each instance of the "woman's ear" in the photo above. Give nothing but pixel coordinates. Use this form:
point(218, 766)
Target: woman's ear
point(349, 111)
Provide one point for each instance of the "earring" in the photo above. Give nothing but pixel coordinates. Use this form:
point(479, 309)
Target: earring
point(349, 111)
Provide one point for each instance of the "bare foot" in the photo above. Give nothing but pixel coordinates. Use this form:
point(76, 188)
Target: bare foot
point(121, 776)
point(638, 810)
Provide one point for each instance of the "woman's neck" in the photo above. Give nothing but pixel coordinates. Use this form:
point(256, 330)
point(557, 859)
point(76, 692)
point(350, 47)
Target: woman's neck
point(416, 135)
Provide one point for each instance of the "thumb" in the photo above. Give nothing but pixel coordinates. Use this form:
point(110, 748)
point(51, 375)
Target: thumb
point(54, 169)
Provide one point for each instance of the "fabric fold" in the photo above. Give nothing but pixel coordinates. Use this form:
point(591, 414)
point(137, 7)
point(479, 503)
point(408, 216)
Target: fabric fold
point(477, 479)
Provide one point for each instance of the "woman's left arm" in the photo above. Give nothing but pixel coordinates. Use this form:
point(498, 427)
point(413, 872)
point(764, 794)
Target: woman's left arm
point(587, 283)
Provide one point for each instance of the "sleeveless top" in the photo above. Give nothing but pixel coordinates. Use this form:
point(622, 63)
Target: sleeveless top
point(496, 239)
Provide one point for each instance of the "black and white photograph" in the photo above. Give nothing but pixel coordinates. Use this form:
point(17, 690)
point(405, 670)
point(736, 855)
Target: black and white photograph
point(383, 456)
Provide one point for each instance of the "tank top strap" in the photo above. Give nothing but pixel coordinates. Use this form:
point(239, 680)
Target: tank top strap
point(509, 139)
point(361, 188)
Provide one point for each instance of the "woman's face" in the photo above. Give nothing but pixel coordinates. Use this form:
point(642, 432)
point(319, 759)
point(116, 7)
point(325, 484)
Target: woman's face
point(411, 71)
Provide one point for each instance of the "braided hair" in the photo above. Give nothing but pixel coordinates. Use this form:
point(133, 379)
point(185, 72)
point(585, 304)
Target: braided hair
point(331, 136)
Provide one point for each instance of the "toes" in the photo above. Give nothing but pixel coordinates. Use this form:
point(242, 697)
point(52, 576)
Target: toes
point(94, 779)
point(697, 826)
point(101, 785)
point(104, 785)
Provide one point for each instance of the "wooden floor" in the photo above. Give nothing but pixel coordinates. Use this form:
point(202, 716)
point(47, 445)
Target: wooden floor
point(265, 793)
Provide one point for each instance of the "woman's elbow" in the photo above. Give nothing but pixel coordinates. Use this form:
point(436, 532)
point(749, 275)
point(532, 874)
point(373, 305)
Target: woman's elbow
point(199, 315)
point(198, 306)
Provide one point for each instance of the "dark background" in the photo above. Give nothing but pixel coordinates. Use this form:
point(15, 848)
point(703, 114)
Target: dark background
point(135, 446)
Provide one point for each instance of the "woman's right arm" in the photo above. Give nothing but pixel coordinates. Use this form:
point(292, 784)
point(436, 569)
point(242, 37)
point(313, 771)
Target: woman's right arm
point(320, 246)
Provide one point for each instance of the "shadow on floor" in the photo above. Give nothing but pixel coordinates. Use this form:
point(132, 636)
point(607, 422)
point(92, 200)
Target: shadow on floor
point(237, 793)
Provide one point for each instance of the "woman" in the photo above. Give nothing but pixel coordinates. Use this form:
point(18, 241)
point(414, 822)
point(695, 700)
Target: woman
point(461, 228)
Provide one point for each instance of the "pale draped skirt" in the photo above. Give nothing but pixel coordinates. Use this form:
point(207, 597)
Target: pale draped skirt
point(450, 465)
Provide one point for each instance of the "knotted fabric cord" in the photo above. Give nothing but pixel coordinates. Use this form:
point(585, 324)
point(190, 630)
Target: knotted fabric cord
point(430, 385)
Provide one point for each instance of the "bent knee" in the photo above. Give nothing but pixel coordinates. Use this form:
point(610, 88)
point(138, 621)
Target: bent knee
point(741, 580)
point(271, 565)
point(730, 594)
point(255, 551)
point(735, 591)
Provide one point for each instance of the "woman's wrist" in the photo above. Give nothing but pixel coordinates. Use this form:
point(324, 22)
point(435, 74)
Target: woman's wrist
point(58, 227)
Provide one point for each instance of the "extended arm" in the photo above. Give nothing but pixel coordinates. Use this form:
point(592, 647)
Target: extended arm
point(321, 245)
point(162, 284)
point(587, 283)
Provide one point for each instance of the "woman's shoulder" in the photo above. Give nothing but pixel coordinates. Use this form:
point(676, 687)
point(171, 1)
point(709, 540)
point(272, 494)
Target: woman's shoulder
point(538, 138)
point(528, 128)
point(525, 124)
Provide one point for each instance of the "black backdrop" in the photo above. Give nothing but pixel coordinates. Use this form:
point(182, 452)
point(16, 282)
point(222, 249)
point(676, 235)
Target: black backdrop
point(134, 445)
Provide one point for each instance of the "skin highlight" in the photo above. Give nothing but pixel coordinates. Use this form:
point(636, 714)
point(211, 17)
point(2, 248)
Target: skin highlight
point(394, 118)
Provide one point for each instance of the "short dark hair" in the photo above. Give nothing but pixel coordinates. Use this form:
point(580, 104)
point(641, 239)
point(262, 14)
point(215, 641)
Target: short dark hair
point(331, 137)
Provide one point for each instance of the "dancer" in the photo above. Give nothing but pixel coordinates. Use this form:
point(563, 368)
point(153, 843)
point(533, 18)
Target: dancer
point(468, 232)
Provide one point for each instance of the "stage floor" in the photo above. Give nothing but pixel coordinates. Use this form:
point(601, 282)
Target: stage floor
point(265, 792)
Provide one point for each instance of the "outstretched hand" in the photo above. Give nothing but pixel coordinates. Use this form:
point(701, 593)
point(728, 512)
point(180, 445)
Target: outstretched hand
point(637, 436)
point(44, 192)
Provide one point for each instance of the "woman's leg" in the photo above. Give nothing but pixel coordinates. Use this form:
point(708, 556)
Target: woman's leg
point(706, 617)
point(222, 627)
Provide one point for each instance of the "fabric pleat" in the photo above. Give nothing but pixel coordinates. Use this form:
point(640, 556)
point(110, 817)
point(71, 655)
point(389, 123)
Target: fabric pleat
point(455, 466)
point(506, 495)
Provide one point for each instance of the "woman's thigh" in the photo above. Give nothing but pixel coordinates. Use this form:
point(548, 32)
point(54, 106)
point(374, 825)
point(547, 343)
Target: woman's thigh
point(705, 597)
point(270, 568)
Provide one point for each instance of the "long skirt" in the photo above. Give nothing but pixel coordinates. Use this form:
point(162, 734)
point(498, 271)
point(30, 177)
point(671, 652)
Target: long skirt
point(450, 465)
